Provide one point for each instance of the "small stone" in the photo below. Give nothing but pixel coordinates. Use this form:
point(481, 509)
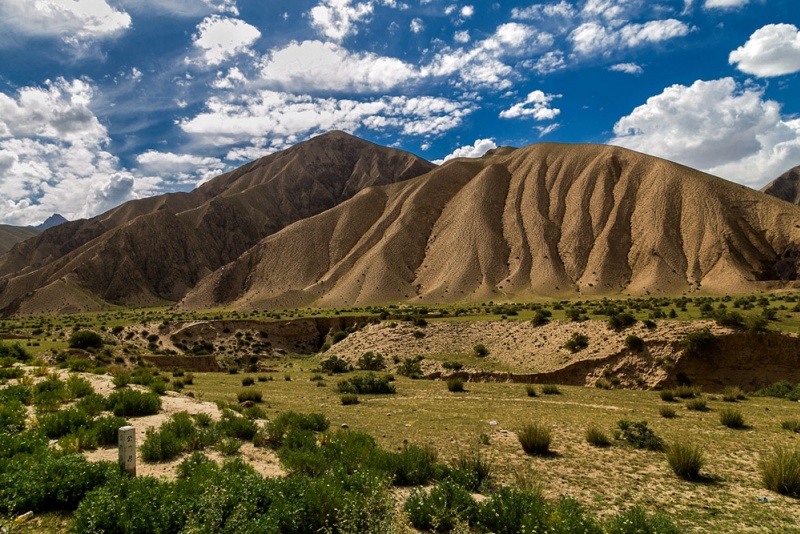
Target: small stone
point(493, 423)
point(344, 425)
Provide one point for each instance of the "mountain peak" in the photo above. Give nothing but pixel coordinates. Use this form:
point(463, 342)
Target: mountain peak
point(54, 220)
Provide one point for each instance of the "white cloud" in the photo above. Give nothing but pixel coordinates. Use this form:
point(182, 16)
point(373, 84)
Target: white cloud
point(182, 8)
point(336, 19)
point(773, 50)
point(233, 78)
point(416, 25)
point(462, 36)
point(475, 150)
point(53, 156)
point(540, 11)
point(536, 106)
point(627, 68)
point(221, 38)
point(594, 38)
point(243, 119)
point(467, 11)
point(725, 4)
point(318, 66)
point(180, 167)
point(716, 126)
point(514, 38)
point(75, 21)
point(550, 62)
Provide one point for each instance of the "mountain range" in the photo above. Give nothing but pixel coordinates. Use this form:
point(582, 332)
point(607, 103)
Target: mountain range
point(339, 221)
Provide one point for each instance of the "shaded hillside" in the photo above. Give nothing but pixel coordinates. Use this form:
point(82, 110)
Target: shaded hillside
point(11, 235)
point(545, 220)
point(154, 250)
point(786, 186)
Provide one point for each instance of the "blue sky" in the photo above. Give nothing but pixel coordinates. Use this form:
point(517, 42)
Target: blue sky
point(103, 101)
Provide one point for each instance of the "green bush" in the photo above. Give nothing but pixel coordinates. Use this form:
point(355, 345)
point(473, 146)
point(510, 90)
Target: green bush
point(92, 404)
point(349, 399)
point(370, 361)
point(248, 381)
point(249, 394)
point(577, 342)
point(368, 384)
point(440, 510)
point(453, 366)
point(634, 343)
point(621, 321)
point(85, 339)
point(158, 386)
point(780, 390)
point(551, 389)
point(160, 445)
point(229, 446)
point(530, 389)
point(791, 424)
point(535, 439)
point(667, 395)
point(688, 392)
point(12, 416)
point(667, 412)
point(411, 367)
point(23, 394)
point(636, 521)
point(59, 424)
point(14, 351)
point(334, 364)
point(130, 403)
point(602, 383)
point(10, 373)
point(733, 394)
point(477, 465)
point(480, 350)
point(455, 385)
point(596, 437)
point(79, 387)
point(106, 429)
point(698, 405)
point(412, 466)
point(780, 471)
point(639, 435)
point(49, 394)
point(234, 426)
point(699, 342)
point(686, 460)
point(541, 317)
point(731, 418)
point(511, 511)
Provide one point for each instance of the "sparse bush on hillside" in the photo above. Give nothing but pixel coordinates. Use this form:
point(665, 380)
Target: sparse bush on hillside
point(530, 389)
point(334, 364)
point(411, 367)
point(130, 403)
point(541, 317)
point(634, 343)
point(596, 437)
point(369, 384)
point(480, 350)
point(370, 361)
point(667, 412)
point(455, 385)
point(699, 342)
point(621, 321)
point(85, 339)
point(733, 394)
point(637, 521)
point(731, 418)
point(639, 435)
point(14, 351)
point(698, 405)
point(780, 471)
point(535, 439)
point(686, 460)
point(551, 389)
point(577, 342)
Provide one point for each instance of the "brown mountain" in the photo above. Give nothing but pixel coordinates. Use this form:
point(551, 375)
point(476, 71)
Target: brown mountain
point(786, 186)
point(548, 219)
point(154, 250)
point(11, 235)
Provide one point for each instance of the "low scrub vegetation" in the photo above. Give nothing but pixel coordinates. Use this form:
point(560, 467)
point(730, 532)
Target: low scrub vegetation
point(780, 471)
point(686, 460)
point(639, 435)
point(535, 439)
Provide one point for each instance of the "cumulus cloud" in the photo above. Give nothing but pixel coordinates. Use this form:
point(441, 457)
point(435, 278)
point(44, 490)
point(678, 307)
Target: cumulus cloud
point(221, 38)
point(773, 50)
point(318, 66)
point(336, 19)
point(416, 25)
point(725, 4)
point(180, 167)
point(716, 126)
point(550, 62)
point(74, 21)
point(475, 150)
point(242, 119)
point(182, 8)
point(627, 68)
point(562, 9)
point(536, 106)
point(595, 38)
point(53, 155)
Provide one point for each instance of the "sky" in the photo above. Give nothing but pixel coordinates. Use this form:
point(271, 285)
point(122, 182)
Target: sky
point(104, 101)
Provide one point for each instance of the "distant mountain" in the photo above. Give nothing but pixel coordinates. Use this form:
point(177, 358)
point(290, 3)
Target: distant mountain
point(53, 220)
point(545, 220)
point(154, 250)
point(786, 186)
point(11, 235)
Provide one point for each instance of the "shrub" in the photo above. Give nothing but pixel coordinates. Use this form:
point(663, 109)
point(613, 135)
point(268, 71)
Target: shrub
point(729, 319)
point(248, 381)
point(334, 364)
point(731, 418)
point(780, 471)
point(577, 342)
point(596, 437)
point(234, 426)
point(349, 399)
point(541, 317)
point(14, 351)
point(791, 424)
point(453, 366)
point(636, 521)
point(79, 387)
point(130, 403)
point(551, 389)
point(411, 367)
point(12, 416)
point(412, 466)
point(249, 394)
point(535, 439)
point(158, 386)
point(370, 361)
point(530, 389)
point(85, 339)
point(621, 321)
point(480, 350)
point(368, 384)
point(160, 445)
point(634, 343)
point(511, 510)
point(686, 460)
point(59, 424)
point(780, 390)
point(698, 405)
point(667, 395)
point(338, 336)
point(121, 380)
point(229, 446)
point(733, 394)
point(667, 412)
point(455, 385)
point(699, 342)
point(476, 464)
point(639, 435)
point(106, 429)
point(688, 392)
point(447, 505)
point(20, 393)
point(602, 383)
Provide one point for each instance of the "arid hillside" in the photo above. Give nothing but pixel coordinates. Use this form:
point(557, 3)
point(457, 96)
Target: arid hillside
point(545, 220)
point(154, 250)
point(11, 235)
point(786, 186)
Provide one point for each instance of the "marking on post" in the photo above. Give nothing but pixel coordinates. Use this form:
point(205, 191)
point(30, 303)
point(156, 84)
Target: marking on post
point(127, 449)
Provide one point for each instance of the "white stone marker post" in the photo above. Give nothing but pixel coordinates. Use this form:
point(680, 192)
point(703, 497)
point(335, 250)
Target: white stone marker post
point(127, 449)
